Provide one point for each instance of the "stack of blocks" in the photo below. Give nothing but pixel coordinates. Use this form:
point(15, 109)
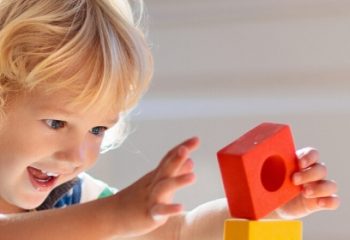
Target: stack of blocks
point(256, 170)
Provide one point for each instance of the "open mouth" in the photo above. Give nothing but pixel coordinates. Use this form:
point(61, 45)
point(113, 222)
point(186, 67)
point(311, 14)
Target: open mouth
point(42, 180)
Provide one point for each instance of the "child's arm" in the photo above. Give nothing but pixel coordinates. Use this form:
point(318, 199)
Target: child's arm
point(206, 222)
point(92, 220)
point(137, 210)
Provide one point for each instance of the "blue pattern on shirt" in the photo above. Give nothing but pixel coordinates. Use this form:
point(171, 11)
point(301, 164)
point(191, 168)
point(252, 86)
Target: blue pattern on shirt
point(71, 197)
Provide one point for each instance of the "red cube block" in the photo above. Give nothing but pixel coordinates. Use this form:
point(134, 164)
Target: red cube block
point(256, 170)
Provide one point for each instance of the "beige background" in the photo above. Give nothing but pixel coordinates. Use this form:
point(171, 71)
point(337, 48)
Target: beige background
point(223, 67)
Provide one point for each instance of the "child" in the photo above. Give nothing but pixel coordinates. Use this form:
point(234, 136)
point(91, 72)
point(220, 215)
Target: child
point(70, 70)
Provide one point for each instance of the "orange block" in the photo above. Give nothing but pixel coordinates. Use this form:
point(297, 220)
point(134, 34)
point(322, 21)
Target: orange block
point(256, 170)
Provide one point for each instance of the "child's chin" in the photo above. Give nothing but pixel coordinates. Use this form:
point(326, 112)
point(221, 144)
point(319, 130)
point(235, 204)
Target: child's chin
point(31, 202)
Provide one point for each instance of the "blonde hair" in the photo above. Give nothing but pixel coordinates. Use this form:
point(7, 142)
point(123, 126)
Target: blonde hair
point(92, 49)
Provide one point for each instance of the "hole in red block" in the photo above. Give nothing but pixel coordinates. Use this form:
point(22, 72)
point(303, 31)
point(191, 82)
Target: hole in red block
point(273, 173)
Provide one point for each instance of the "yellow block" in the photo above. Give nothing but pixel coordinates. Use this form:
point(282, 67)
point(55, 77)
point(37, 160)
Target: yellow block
point(237, 229)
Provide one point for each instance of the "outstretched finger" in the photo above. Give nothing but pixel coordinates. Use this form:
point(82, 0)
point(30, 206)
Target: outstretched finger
point(165, 189)
point(191, 144)
point(322, 188)
point(322, 203)
point(314, 173)
point(330, 203)
point(187, 167)
point(307, 157)
point(175, 159)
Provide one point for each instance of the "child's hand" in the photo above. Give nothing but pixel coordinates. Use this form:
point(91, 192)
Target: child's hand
point(318, 193)
point(147, 204)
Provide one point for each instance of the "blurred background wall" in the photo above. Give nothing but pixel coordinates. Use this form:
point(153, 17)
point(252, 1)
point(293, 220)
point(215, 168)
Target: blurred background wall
point(222, 67)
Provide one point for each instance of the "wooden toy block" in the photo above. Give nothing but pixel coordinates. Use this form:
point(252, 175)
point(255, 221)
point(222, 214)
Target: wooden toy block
point(236, 229)
point(256, 170)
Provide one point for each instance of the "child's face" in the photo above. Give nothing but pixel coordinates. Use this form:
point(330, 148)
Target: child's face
point(44, 143)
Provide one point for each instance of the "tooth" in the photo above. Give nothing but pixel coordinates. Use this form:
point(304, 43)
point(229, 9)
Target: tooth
point(51, 174)
point(42, 180)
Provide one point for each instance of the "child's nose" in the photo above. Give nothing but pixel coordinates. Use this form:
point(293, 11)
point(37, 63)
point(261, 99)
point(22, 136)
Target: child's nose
point(76, 154)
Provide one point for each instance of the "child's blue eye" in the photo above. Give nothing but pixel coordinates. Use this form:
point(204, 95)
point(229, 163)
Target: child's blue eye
point(98, 131)
point(55, 124)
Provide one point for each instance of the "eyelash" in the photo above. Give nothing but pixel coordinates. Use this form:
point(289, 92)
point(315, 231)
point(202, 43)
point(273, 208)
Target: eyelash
point(101, 131)
point(57, 124)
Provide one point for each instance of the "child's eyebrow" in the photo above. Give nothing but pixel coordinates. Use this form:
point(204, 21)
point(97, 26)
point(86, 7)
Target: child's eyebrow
point(50, 109)
point(65, 112)
point(112, 121)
